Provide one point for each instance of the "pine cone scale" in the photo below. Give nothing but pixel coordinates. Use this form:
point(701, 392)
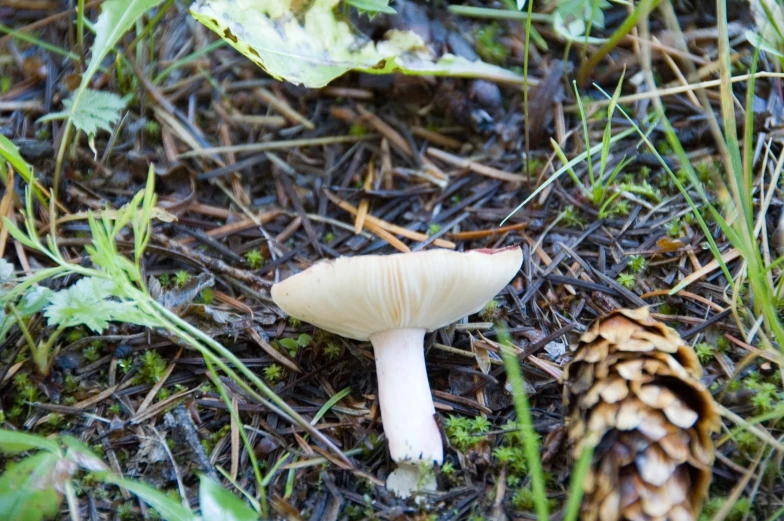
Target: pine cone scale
point(633, 391)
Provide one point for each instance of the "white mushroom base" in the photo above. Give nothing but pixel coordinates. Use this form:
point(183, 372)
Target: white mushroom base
point(409, 479)
point(407, 410)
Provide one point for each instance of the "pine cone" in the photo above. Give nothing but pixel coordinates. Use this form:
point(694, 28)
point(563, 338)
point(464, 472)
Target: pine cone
point(633, 391)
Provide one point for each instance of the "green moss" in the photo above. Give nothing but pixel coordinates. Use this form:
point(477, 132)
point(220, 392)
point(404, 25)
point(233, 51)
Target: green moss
point(627, 280)
point(487, 43)
point(181, 277)
point(273, 373)
point(254, 259)
point(704, 352)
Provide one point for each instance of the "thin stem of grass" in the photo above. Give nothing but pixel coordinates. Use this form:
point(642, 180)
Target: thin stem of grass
point(587, 138)
point(523, 412)
point(642, 10)
point(565, 168)
point(39, 43)
point(179, 325)
point(260, 491)
point(151, 24)
point(499, 14)
point(576, 488)
point(80, 32)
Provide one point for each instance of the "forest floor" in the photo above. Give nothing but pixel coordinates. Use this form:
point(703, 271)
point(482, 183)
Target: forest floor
point(257, 179)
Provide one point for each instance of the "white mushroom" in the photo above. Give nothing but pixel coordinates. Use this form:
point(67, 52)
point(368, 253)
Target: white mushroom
point(392, 301)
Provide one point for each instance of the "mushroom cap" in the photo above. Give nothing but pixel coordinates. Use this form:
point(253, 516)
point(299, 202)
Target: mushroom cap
point(357, 296)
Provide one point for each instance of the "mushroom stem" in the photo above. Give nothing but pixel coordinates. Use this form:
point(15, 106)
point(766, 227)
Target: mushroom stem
point(407, 410)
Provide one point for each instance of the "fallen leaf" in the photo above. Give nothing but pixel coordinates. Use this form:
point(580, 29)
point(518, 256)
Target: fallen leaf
point(320, 47)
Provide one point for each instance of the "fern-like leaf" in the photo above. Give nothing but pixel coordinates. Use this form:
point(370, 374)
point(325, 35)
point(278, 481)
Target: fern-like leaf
point(92, 302)
point(96, 110)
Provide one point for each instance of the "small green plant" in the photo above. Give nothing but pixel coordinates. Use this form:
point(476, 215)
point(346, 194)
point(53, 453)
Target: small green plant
point(465, 433)
point(704, 352)
point(92, 352)
point(433, 229)
point(332, 350)
point(254, 258)
point(329, 237)
point(125, 511)
point(273, 373)
point(357, 129)
point(523, 499)
point(294, 322)
point(181, 277)
point(207, 296)
point(504, 454)
point(570, 217)
point(627, 280)
point(600, 189)
point(765, 396)
point(739, 510)
point(480, 425)
point(292, 345)
point(153, 366)
point(637, 264)
point(618, 208)
point(488, 314)
point(59, 459)
point(489, 45)
point(675, 228)
point(152, 129)
point(56, 419)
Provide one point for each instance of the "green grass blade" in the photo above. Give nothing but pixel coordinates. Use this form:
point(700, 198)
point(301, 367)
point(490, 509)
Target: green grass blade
point(524, 420)
point(550, 180)
point(498, 14)
point(587, 138)
point(245, 441)
point(37, 42)
point(678, 148)
point(576, 490)
point(329, 404)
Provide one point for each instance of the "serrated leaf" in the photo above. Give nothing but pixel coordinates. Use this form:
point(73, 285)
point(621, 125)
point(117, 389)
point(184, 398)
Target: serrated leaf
point(219, 504)
point(168, 508)
point(372, 7)
point(91, 302)
point(27, 490)
point(117, 16)
point(321, 47)
point(96, 110)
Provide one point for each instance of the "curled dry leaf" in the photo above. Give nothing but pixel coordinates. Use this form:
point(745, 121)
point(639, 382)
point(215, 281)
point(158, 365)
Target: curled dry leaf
point(633, 392)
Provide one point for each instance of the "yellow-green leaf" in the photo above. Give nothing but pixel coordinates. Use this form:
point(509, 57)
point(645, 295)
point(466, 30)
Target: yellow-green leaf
point(314, 47)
